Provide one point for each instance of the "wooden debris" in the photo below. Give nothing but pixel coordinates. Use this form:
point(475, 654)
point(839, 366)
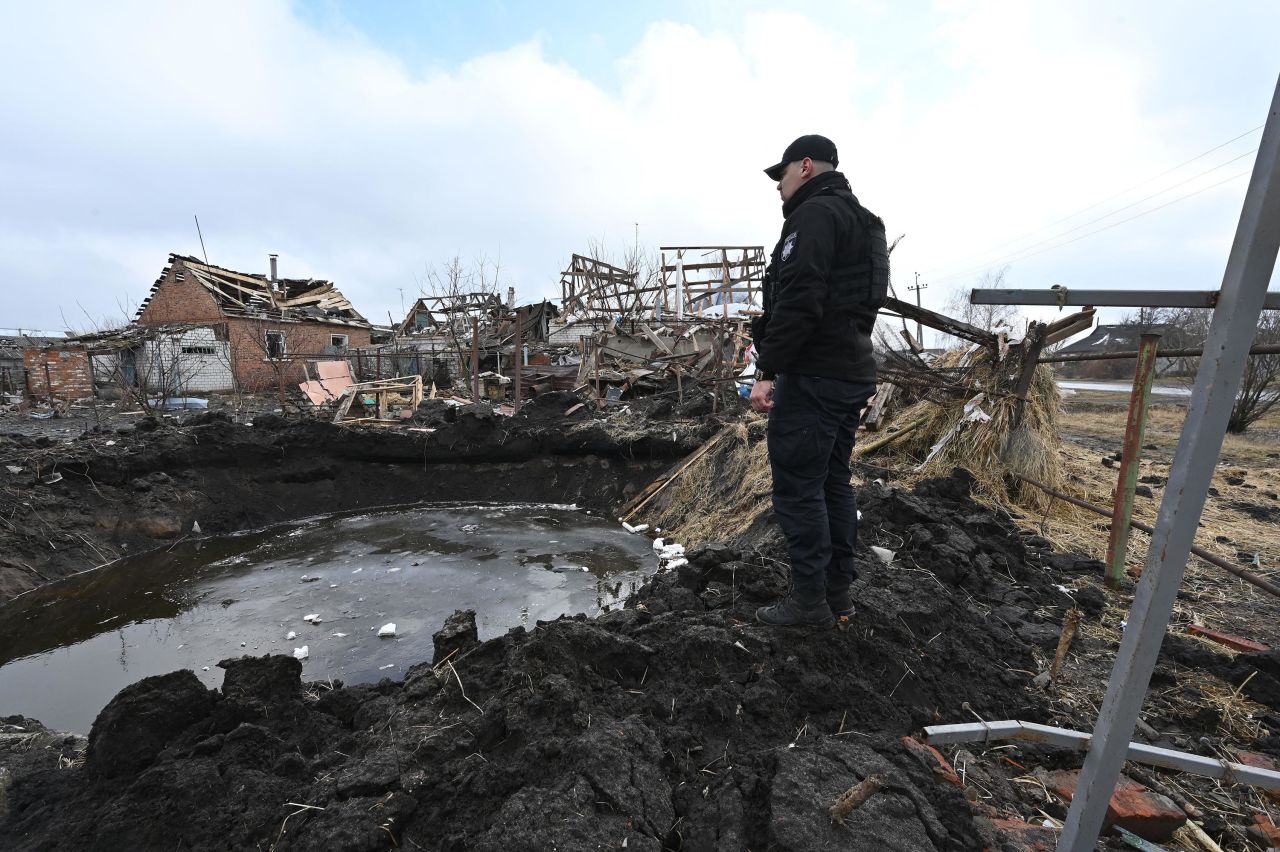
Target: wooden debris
point(388, 399)
point(855, 797)
point(654, 488)
point(879, 404)
point(1069, 625)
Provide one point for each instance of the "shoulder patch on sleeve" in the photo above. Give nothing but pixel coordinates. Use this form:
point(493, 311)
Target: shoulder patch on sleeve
point(789, 244)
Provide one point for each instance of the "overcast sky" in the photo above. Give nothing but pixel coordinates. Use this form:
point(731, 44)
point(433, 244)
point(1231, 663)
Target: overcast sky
point(367, 142)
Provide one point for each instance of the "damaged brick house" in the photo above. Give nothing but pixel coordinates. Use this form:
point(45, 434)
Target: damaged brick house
point(271, 324)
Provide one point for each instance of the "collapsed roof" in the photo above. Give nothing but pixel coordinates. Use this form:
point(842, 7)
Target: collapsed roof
point(241, 294)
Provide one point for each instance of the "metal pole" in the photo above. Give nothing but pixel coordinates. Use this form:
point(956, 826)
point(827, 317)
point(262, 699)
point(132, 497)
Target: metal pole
point(597, 345)
point(475, 359)
point(1066, 357)
point(1244, 288)
point(1062, 296)
point(519, 368)
point(1127, 480)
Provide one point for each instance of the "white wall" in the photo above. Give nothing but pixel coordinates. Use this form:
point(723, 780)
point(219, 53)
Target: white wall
point(194, 361)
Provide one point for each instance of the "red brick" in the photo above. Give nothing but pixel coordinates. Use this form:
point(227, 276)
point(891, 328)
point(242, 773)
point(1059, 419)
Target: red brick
point(1267, 829)
point(1259, 761)
point(942, 768)
point(1133, 807)
point(1239, 643)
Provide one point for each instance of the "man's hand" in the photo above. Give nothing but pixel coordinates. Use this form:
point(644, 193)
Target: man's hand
point(762, 396)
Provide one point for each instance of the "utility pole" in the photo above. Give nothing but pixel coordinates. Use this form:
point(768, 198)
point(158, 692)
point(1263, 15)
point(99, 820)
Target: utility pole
point(919, 329)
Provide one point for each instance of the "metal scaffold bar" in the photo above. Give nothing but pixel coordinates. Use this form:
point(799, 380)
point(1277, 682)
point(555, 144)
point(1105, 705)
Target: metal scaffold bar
point(1165, 758)
point(1063, 296)
point(1235, 317)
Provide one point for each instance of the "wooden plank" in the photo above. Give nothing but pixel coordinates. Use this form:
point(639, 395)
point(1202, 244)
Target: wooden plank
point(653, 338)
point(640, 500)
point(942, 323)
point(880, 402)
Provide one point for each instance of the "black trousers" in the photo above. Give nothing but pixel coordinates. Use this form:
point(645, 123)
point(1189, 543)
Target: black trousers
point(811, 431)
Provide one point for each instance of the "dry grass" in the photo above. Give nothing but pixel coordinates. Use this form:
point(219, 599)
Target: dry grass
point(721, 494)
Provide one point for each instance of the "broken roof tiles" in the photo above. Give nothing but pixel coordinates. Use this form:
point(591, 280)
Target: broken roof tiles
point(241, 294)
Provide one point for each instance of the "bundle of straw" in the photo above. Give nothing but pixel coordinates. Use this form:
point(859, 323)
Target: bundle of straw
point(985, 428)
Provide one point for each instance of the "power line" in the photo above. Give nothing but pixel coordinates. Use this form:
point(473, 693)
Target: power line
point(1130, 206)
point(1114, 224)
point(1123, 192)
point(1149, 180)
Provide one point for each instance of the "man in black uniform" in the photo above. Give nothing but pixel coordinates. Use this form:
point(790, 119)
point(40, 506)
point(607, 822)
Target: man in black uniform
point(826, 280)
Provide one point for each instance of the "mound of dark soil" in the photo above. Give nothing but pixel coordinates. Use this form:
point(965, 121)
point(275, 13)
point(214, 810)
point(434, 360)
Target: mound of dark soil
point(674, 723)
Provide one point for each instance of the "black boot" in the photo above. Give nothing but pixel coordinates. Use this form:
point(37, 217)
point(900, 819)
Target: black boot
point(791, 612)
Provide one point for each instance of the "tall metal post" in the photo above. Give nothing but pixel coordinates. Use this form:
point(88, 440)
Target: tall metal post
point(1127, 480)
point(475, 359)
point(1235, 319)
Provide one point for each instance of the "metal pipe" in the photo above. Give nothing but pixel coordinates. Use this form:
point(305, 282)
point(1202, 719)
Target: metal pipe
point(475, 359)
point(1063, 296)
point(1248, 576)
point(1127, 480)
point(1069, 357)
point(1165, 758)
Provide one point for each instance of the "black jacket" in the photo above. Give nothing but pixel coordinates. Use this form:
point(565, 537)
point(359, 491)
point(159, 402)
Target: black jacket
point(819, 308)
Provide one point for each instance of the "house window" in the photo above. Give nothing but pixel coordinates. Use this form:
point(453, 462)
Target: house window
point(338, 341)
point(199, 350)
point(275, 345)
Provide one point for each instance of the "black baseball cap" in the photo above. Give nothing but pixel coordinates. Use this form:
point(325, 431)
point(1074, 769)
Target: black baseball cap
point(815, 147)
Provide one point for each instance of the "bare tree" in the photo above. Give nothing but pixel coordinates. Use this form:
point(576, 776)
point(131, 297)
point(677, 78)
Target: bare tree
point(1188, 328)
point(986, 317)
point(1260, 387)
point(461, 292)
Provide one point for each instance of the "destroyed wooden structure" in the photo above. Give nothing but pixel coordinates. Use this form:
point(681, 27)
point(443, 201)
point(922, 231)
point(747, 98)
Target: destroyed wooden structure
point(379, 402)
point(679, 332)
point(707, 281)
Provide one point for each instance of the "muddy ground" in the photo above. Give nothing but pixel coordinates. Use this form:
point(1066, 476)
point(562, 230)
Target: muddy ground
point(675, 723)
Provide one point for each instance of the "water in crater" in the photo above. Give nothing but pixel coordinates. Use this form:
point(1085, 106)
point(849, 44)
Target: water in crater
point(67, 648)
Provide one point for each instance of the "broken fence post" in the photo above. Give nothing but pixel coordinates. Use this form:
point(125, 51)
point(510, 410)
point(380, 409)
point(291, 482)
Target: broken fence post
point(1127, 479)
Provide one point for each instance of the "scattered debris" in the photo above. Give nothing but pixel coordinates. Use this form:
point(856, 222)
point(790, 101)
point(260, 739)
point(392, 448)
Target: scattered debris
point(855, 797)
point(1237, 643)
